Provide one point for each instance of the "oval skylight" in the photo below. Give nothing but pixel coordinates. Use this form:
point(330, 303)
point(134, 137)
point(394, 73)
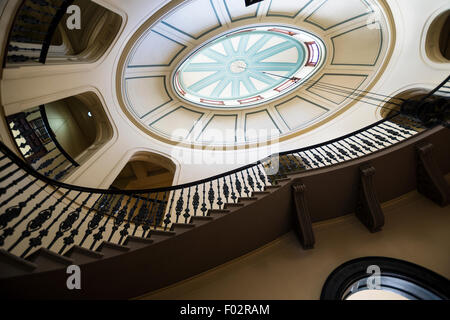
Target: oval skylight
point(249, 66)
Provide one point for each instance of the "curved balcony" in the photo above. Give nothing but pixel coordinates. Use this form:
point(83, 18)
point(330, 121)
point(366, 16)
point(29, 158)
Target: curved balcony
point(48, 225)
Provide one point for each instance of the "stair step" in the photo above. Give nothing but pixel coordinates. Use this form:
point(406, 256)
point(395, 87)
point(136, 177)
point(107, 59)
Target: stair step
point(159, 235)
point(260, 193)
point(271, 187)
point(217, 212)
point(82, 255)
point(46, 260)
point(283, 180)
point(137, 242)
point(11, 265)
point(111, 249)
point(244, 199)
point(182, 227)
point(200, 220)
point(233, 205)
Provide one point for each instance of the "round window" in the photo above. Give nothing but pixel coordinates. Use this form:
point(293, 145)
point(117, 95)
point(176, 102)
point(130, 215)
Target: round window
point(379, 278)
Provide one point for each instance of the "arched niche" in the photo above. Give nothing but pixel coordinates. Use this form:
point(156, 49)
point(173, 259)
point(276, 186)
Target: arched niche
point(392, 106)
point(145, 170)
point(437, 44)
point(83, 33)
point(99, 28)
point(80, 124)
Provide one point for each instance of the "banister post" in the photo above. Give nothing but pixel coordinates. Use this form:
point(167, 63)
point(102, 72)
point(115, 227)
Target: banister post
point(303, 224)
point(430, 180)
point(368, 209)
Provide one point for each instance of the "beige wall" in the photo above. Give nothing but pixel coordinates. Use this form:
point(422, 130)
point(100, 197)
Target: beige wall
point(416, 230)
point(70, 127)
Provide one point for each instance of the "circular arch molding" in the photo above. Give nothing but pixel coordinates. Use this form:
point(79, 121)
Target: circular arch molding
point(433, 37)
point(405, 278)
point(144, 77)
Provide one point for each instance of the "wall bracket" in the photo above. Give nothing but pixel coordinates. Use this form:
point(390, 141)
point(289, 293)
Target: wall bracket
point(368, 209)
point(430, 180)
point(303, 224)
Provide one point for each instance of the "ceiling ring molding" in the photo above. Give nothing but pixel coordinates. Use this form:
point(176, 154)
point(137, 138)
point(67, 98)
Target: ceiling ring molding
point(145, 77)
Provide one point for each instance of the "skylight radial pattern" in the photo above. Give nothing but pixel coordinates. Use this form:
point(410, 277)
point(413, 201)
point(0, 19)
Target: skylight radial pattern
point(247, 67)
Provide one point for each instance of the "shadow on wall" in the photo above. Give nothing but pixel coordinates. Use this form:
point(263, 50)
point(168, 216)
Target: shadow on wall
point(80, 124)
point(145, 170)
point(438, 39)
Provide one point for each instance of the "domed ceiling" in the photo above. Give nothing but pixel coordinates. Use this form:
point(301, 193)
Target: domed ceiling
point(214, 72)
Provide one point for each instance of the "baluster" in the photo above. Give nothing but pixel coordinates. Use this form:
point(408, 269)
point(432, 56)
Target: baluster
point(358, 143)
point(233, 194)
point(321, 152)
point(10, 231)
point(124, 232)
point(121, 214)
point(262, 177)
point(69, 221)
point(341, 151)
point(204, 209)
point(226, 190)
point(9, 175)
point(13, 212)
point(376, 141)
point(186, 214)
point(196, 200)
point(179, 207)
point(150, 218)
point(70, 239)
point(311, 159)
point(168, 215)
point(367, 143)
point(20, 192)
point(335, 155)
point(103, 207)
point(246, 190)
point(140, 218)
point(211, 195)
point(42, 217)
point(238, 185)
point(99, 235)
point(219, 199)
point(350, 150)
point(305, 161)
point(250, 180)
point(160, 211)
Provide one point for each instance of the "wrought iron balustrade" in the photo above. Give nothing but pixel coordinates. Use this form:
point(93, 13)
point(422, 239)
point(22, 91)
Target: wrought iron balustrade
point(33, 30)
point(37, 211)
point(38, 144)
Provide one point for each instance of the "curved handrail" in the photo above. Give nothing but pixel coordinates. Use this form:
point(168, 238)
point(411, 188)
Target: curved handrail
point(52, 29)
point(53, 136)
point(89, 216)
point(25, 33)
point(26, 167)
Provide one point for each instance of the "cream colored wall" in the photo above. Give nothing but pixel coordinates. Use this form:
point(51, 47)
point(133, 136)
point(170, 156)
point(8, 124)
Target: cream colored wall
point(416, 230)
point(67, 129)
point(25, 87)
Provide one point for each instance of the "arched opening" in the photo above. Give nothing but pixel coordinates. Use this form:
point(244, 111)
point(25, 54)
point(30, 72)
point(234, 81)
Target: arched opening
point(57, 136)
point(438, 39)
point(392, 106)
point(145, 171)
point(80, 124)
point(61, 31)
point(382, 278)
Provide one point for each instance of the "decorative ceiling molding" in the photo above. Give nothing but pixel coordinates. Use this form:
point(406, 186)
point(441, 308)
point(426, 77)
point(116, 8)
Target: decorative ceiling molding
point(358, 39)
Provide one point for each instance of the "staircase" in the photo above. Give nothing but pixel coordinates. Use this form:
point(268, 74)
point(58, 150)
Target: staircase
point(130, 243)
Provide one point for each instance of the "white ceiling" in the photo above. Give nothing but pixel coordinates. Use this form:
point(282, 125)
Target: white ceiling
point(356, 35)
